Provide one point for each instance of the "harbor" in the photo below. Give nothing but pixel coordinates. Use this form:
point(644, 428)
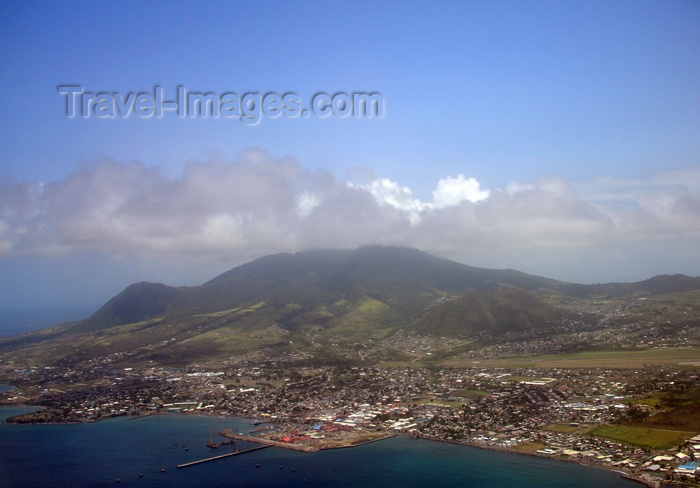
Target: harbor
point(266, 442)
point(128, 449)
point(312, 445)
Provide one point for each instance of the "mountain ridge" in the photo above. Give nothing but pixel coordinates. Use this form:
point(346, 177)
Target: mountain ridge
point(322, 277)
point(317, 300)
point(311, 278)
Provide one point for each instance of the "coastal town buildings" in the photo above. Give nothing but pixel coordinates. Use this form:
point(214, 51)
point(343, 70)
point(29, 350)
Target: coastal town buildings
point(545, 412)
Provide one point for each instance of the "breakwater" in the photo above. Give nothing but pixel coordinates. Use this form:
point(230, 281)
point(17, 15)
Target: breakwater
point(221, 456)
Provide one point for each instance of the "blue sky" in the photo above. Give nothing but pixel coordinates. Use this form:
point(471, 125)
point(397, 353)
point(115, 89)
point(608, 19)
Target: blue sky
point(558, 138)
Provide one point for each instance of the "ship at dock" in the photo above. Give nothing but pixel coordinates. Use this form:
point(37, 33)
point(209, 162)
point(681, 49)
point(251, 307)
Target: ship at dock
point(211, 442)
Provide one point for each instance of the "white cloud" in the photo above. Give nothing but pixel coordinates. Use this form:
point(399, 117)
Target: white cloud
point(453, 191)
point(449, 193)
point(306, 202)
point(257, 204)
point(387, 192)
point(515, 187)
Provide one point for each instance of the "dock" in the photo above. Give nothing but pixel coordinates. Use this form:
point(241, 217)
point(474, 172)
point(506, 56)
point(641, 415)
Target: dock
point(267, 442)
point(234, 453)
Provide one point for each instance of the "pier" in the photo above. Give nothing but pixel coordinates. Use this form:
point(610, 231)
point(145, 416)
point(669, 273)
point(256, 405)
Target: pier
point(234, 453)
point(267, 442)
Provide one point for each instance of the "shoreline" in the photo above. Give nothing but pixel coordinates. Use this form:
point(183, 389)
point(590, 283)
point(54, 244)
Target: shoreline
point(648, 482)
point(228, 433)
point(388, 436)
point(295, 447)
point(624, 474)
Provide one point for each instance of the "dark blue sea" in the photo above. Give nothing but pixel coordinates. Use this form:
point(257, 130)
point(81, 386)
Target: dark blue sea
point(15, 321)
point(135, 451)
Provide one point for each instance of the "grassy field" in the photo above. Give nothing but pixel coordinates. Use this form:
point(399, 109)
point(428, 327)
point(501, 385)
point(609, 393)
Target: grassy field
point(529, 447)
point(643, 436)
point(565, 428)
point(592, 359)
point(472, 394)
point(401, 364)
point(652, 400)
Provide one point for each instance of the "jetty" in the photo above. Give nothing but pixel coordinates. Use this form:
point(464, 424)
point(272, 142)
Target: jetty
point(234, 453)
point(267, 442)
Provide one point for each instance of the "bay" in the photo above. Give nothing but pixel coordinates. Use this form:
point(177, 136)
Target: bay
point(135, 450)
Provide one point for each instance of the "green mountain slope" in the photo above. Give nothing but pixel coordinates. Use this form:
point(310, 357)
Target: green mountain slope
point(493, 311)
point(137, 302)
point(315, 302)
point(405, 280)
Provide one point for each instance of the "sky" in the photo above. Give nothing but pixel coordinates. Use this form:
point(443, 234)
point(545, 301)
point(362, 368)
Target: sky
point(558, 138)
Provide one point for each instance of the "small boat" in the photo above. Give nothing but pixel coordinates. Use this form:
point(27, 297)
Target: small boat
point(211, 443)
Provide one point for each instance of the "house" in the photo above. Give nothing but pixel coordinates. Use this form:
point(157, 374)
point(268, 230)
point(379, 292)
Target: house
point(688, 469)
point(663, 459)
point(682, 457)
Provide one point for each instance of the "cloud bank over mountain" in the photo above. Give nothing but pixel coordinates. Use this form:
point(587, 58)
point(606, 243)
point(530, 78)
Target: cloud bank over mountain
point(234, 210)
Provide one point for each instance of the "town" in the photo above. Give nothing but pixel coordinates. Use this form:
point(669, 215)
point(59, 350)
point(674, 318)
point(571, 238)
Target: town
point(553, 412)
point(617, 391)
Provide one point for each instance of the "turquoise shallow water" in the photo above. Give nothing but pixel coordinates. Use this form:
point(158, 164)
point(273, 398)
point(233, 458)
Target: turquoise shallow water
point(100, 453)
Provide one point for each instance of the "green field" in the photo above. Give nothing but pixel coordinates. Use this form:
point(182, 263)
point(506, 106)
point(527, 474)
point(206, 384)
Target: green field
point(529, 447)
point(472, 394)
point(565, 428)
point(643, 436)
point(686, 358)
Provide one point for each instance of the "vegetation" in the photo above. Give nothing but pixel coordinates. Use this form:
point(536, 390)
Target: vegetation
point(565, 428)
point(591, 359)
point(328, 304)
point(470, 394)
point(643, 436)
point(494, 311)
point(686, 418)
point(529, 447)
point(678, 408)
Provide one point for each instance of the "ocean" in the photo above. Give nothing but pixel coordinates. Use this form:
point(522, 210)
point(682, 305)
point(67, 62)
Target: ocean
point(135, 451)
point(15, 321)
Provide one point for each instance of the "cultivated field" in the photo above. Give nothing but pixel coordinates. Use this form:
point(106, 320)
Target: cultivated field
point(686, 358)
point(643, 436)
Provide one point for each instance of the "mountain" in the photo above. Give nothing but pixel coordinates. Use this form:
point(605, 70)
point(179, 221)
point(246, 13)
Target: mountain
point(137, 302)
point(405, 280)
point(657, 285)
point(324, 303)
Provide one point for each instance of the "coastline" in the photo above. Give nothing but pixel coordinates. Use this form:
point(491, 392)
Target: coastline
point(228, 433)
point(646, 481)
point(388, 436)
point(650, 483)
